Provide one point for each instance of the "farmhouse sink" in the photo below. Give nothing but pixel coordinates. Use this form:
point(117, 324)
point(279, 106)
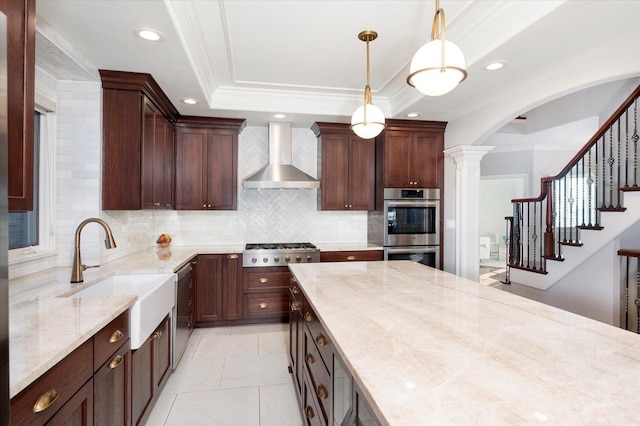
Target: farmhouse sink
point(156, 298)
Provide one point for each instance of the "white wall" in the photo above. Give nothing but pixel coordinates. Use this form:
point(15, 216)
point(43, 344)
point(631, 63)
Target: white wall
point(496, 194)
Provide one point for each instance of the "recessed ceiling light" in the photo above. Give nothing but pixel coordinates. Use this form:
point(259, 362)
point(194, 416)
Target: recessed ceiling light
point(279, 115)
point(149, 34)
point(190, 101)
point(413, 115)
point(496, 65)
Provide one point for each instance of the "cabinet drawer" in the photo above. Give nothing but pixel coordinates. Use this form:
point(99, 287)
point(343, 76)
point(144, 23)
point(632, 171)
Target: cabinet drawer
point(318, 335)
point(56, 386)
point(266, 279)
point(351, 256)
point(309, 405)
point(265, 305)
point(320, 380)
point(109, 339)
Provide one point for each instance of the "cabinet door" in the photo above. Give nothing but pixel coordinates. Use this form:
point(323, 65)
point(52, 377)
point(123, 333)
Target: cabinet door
point(222, 177)
point(209, 288)
point(168, 170)
point(78, 411)
point(232, 287)
point(361, 182)
point(21, 31)
point(142, 386)
point(426, 159)
point(112, 389)
point(152, 161)
point(191, 169)
point(161, 355)
point(397, 154)
point(334, 180)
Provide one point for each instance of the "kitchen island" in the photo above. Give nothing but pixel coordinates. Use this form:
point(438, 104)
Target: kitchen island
point(427, 347)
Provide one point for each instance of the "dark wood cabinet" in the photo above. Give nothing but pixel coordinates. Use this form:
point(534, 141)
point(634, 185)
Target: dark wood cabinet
point(410, 154)
point(296, 333)
point(78, 411)
point(137, 142)
point(218, 289)
point(207, 163)
point(157, 158)
point(266, 293)
point(21, 48)
point(150, 368)
point(112, 389)
point(347, 172)
point(351, 256)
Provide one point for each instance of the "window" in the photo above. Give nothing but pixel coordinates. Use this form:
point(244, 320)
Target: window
point(24, 226)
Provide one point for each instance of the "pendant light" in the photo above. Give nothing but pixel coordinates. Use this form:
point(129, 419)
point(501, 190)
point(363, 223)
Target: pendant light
point(438, 66)
point(368, 120)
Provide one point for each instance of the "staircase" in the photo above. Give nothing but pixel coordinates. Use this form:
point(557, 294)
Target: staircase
point(588, 204)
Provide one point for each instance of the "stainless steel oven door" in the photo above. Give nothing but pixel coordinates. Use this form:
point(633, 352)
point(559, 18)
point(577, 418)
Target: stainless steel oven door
point(427, 255)
point(412, 222)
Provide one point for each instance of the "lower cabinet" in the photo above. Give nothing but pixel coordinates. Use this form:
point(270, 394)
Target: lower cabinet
point(78, 410)
point(351, 256)
point(150, 368)
point(266, 293)
point(218, 291)
point(112, 389)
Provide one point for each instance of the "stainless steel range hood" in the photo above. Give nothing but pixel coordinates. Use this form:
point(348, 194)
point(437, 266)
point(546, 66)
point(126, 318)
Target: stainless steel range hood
point(280, 173)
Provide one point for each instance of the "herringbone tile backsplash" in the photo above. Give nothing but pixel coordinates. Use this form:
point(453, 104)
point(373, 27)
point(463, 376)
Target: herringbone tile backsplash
point(267, 215)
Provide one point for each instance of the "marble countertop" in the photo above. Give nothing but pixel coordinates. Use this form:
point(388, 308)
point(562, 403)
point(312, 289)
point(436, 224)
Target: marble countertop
point(428, 347)
point(45, 324)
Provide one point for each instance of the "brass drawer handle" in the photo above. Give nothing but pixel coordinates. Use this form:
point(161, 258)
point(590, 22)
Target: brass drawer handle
point(320, 340)
point(295, 307)
point(351, 258)
point(263, 306)
point(309, 412)
point(157, 334)
point(293, 280)
point(308, 317)
point(263, 280)
point(232, 256)
point(295, 290)
point(115, 362)
point(309, 359)
point(322, 392)
point(45, 400)
point(117, 335)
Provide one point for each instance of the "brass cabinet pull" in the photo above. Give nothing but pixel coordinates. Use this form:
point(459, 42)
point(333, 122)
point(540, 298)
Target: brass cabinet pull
point(293, 280)
point(45, 400)
point(309, 412)
point(263, 306)
point(157, 334)
point(263, 280)
point(309, 359)
point(167, 204)
point(295, 307)
point(209, 205)
point(115, 336)
point(308, 317)
point(116, 361)
point(204, 206)
point(351, 258)
point(322, 392)
point(295, 290)
point(232, 256)
point(320, 340)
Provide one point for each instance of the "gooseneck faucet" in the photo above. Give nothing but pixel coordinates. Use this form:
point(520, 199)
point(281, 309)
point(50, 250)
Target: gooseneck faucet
point(78, 267)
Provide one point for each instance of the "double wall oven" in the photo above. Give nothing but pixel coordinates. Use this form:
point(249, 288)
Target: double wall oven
point(412, 225)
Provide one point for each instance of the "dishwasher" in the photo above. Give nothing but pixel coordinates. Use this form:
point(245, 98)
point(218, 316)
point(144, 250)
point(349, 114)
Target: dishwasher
point(182, 316)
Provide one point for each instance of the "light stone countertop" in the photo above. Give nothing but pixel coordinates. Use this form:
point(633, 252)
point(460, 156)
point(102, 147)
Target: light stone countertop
point(428, 347)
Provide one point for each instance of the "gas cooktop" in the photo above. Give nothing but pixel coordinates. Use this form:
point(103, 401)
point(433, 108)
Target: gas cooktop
point(279, 254)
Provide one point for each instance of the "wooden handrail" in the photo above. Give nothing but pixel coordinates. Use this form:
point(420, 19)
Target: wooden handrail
point(629, 253)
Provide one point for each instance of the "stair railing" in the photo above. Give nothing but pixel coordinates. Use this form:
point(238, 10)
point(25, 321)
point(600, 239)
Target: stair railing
point(592, 182)
point(630, 281)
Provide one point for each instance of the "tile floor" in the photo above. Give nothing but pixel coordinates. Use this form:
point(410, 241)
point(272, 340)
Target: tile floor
point(233, 376)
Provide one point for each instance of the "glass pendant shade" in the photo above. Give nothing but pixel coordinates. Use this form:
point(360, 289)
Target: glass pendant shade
point(372, 126)
point(430, 75)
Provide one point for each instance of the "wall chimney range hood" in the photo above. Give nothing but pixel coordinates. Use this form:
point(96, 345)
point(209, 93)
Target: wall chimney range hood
point(280, 173)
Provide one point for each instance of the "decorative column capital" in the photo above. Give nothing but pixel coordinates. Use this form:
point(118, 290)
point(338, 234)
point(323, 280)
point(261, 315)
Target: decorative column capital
point(467, 152)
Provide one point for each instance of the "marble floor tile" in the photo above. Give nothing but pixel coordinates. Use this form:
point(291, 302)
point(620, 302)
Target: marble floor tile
point(273, 343)
point(255, 371)
point(194, 375)
point(232, 407)
point(279, 406)
point(210, 330)
point(161, 410)
point(260, 328)
point(226, 345)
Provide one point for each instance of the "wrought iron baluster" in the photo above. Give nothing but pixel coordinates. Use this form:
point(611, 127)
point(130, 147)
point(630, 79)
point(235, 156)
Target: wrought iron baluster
point(595, 188)
point(528, 235)
point(583, 198)
point(564, 209)
point(634, 139)
point(618, 166)
point(589, 185)
point(626, 149)
point(611, 162)
point(626, 297)
point(604, 171)
point(534, 237)
point(637, 301)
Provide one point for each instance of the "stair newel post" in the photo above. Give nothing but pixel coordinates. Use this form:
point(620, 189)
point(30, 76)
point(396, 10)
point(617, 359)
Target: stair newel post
point(549, 244)
point(508, 242)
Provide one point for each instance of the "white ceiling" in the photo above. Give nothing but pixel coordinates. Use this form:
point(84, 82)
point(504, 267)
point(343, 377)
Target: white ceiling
point(251, 59)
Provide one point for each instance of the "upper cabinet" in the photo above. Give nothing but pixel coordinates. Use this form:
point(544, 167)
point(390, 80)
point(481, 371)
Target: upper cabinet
point(137, 142)
point(207, 163)
point(21, 32)
point(410, 154)
point(347, 169)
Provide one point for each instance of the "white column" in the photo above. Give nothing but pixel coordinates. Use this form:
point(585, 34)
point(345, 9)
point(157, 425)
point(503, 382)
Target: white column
point(467, 160)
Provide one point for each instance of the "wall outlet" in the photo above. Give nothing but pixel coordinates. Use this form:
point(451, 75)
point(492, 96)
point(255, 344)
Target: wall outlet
point(233, 224)
point(450, 224)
